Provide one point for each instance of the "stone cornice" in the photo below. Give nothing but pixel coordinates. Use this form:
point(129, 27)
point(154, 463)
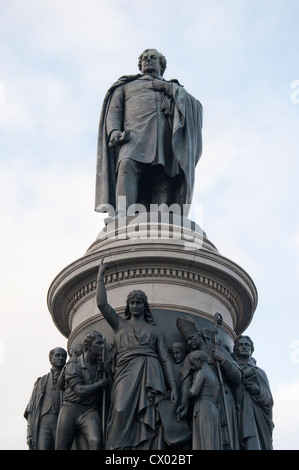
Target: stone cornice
point(180, 276)
point(156, 261)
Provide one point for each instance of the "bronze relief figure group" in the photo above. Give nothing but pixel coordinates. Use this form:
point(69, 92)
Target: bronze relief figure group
point(221, 399)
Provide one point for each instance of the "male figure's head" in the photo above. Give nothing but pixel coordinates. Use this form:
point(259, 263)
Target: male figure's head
point(76, 350)
point(93, 343)
point(57, 357)
point(189, 331)
point(152, 62)
point(194, 340)
point(178, 352)
point(197, 358)
point(243, 347)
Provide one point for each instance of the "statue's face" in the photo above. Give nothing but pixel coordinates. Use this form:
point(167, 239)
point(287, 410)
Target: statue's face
point(178, 354)
point(58, 359)
point(194, 341)
point(76, 350)
point(96, 346)
point(243, 348)
point(151, 62)
point(136, 306)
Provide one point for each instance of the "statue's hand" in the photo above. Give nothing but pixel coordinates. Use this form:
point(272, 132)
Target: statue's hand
point(173, 396)
point(30, 443)
point(253, 389)
point(102, 269)
point(103, 382)
point(181, 412)
point(114, 138)
point(106, 366)
point(162, 85)
point(118, 138)
point(219, 355)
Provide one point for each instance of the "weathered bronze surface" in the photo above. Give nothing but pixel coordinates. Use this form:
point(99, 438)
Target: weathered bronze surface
point(44, 405)
point(149, 142)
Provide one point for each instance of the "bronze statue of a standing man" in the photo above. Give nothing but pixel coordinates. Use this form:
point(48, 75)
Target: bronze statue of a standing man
point(256, 424)
point(44, 405)
point(149, 141)
point(84, 381)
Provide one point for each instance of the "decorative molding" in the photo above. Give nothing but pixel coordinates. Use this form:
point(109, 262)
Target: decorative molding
point(155, 272)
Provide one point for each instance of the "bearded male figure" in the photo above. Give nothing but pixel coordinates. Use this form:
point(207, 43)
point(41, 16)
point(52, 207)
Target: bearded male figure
point(149, 141)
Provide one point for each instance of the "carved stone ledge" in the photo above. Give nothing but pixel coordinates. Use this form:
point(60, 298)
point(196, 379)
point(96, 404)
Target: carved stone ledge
point(176, 276)
point(168, 273)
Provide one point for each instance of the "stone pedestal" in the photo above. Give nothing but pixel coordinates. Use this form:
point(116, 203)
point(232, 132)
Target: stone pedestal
point(172, 261)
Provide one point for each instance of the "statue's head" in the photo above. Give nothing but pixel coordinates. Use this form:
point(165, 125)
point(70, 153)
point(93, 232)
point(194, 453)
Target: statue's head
point(151, 61)
point(93, 340)
point(189, 331)
point(194, 340)
point(196, 359)
point(243, 346)
point(137, 300)
point(57, 357)
point(76, 350)
point(178, 352)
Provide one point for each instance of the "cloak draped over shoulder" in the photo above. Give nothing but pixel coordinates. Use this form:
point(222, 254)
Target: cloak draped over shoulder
point(186, 142)
point(256, 424)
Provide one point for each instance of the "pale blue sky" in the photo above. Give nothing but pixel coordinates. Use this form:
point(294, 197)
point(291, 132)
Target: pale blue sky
point(57, 59)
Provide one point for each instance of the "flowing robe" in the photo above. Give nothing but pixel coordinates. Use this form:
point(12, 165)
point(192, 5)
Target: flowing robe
point(232, 375)
point(142, 359)
point(256, 425)
point(206, 421)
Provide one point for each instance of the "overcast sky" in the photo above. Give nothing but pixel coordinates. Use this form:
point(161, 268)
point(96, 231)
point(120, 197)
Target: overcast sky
point(57, 59)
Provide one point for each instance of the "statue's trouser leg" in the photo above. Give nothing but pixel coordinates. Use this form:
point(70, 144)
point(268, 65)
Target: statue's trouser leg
point(90, 426)
point(161, 186)
point(66, 426)
point(74, 418)
point(47, 430)
point(128, 176)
